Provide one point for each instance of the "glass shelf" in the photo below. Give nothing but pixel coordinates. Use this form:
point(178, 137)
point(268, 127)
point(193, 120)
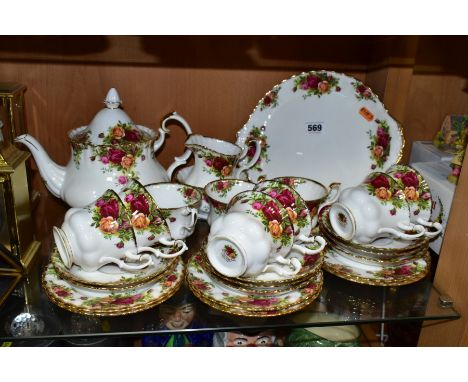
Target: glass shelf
point(341, 303)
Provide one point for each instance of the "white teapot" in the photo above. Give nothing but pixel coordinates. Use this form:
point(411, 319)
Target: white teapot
point(106, 154)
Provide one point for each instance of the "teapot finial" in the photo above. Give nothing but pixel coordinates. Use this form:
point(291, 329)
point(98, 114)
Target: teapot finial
point(112, 100)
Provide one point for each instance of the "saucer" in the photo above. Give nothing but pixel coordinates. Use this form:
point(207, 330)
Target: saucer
point(384, 247)
point(402, 274)
point(111, 276)
point(219, 294)
point(94, 302)
point(310, 265)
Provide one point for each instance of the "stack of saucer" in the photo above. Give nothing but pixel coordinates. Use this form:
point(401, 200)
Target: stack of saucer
point(384, 262)
point(111, 291)
point(264, 295)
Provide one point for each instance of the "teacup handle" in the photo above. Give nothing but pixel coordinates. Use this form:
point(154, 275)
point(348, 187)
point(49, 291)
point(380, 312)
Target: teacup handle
point(307, 251)
point(332, 195)
point(158, 253)
point(193, 221)
point(280, 270)
point(163, 130)
point(436, 225)
point(420, 231)
point(125, 266)
point(241, 168)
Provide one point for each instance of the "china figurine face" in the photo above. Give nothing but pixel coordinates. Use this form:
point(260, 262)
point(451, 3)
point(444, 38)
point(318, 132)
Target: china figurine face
point(175, 317)
point(265, 338)
point(106, 154)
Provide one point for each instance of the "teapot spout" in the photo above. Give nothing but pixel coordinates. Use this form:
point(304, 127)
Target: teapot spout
point(52, 174)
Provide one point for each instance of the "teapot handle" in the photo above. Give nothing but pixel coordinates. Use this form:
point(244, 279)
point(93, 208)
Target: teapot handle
point(258, 150)
point(163, 130)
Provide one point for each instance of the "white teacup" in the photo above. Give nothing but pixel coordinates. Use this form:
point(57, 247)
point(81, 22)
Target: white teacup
point(315, 194)
point(179, 206)
point(373, 210)
point(102, 233)
point(220, 192)
point(261, 234)
point(417, 194)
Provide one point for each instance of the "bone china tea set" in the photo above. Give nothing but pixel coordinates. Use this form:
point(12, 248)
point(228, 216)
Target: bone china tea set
point(278, 212)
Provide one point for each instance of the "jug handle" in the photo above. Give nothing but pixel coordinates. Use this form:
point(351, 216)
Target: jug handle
point(420, 231)
point(258, 150)
point(281, 271)
point(331, 197)
point(307, 251)
point(163, 130)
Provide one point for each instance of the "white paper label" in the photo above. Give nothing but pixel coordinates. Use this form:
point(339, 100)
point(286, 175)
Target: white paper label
point(315, 127)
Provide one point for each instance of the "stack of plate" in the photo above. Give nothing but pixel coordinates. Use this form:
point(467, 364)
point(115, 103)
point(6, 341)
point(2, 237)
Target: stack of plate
point(264, 295)
point(111, 291)
point(385, 262)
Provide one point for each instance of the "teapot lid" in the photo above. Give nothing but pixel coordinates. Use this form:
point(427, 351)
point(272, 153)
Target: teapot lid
point(112, 125)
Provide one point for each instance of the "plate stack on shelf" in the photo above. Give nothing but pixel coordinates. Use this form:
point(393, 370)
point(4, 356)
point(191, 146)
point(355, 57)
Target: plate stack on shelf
point(111, 291)
point(385, 262)
point(265, 295)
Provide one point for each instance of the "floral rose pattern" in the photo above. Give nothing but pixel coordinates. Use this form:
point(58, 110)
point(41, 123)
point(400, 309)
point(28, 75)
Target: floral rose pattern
point(222, 187)
point(275, 220)
point(79, 143)
point(291, 201)
point(363, 92)
point(379, 144)
point(270, 99)
point(399, 272)
point(257, 133)
point(191, 195)
point(110, 217)
point(219, 165)
point(229, 253)
point(414, 188)
point(385, 190)
point(146, 219)
point(316, 83)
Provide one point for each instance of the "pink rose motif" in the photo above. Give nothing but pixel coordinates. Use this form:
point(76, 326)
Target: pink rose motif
point(219, 163)
point(272, 212)
point(286, 198)
point(120, 245)
point(126, 300)
point(111, 208)
point(123, 179)
point(264, 301)
point(221, 185)
point(209, 162)
point(100, 202)
point(257, 206)
point(115, 155)
point(456, 171)
point(361, 89)
point(140, 204)
point(252, 149)
point(380, 181)
point(129, 198)
point(383, 138)
point(105, 160)
point(311, 259)
point(267, 100)
point(410, 179)
point(273, 194)
point(132, 135)
point(378, 151)
point(404, 270)
point(398, 175)
point(311, 82)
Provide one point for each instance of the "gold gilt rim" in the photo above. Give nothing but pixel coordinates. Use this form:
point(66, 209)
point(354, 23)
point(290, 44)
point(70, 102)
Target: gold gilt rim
point(249, 288)
point(323, 223)
point(117, 285)
point(296, 279)
point(265, 313)
point(368, 281)
point(116, 311)
point(262, 309)
point(369, 258)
